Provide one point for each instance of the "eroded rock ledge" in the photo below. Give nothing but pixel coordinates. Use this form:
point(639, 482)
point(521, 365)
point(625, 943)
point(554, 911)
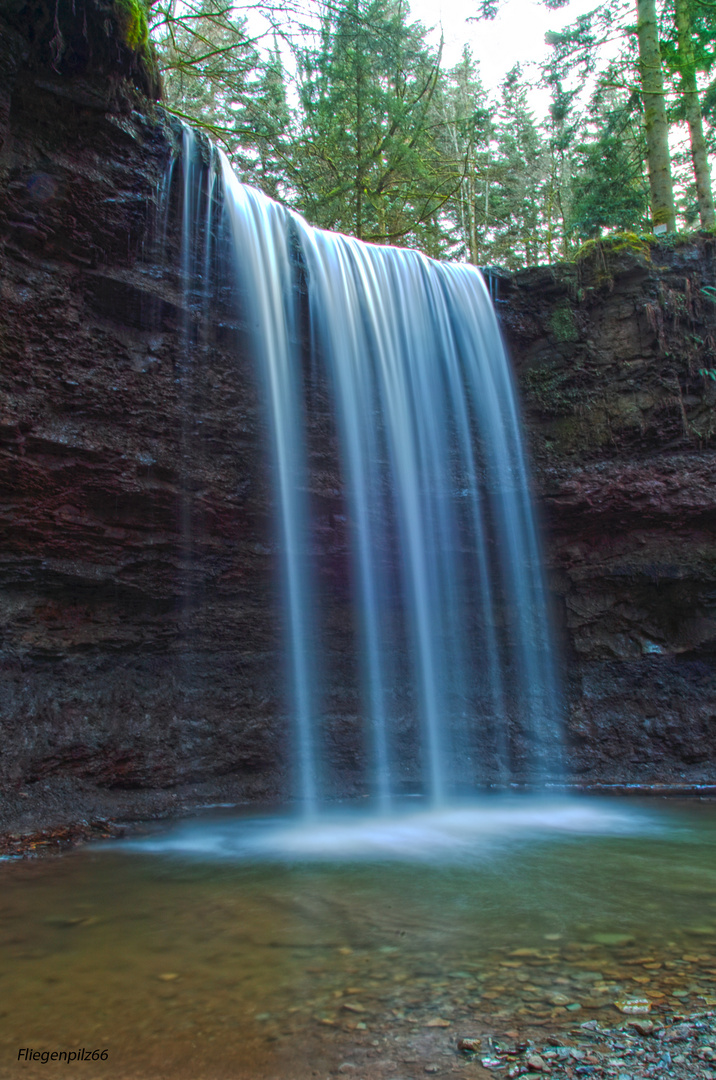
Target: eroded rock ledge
point(622, 428)
point(139, 665)
point(128, 684)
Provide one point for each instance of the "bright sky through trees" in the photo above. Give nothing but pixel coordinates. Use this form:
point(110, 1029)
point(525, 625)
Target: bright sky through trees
point(514, 36)
point(512, 151)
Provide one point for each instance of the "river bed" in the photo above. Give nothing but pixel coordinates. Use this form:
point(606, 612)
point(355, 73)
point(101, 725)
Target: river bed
point(243, 946)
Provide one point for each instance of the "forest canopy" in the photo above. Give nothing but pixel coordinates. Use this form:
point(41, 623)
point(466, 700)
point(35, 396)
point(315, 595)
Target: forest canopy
point(345, 110)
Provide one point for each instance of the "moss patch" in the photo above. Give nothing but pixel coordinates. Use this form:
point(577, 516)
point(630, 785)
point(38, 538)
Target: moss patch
point(562, 324)
point(132, 17)
point(616, 244)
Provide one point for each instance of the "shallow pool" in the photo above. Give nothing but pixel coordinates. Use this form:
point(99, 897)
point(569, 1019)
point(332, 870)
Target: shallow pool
point(235, 946)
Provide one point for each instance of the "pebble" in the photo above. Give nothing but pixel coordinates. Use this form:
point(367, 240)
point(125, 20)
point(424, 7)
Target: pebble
point(642, 1027)
point(635, 1050)
point(630, 1006)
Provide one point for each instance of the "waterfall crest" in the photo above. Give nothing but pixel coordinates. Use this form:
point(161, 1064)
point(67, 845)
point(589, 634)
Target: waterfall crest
point(450, 622)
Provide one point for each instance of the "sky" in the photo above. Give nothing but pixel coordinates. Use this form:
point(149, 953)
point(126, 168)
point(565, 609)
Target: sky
point(516, 35)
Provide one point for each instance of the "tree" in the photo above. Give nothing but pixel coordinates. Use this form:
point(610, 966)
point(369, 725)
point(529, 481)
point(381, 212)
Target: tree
point(609, 189)
point(656, 126)
point(515, 195)
point(463, 123)
point(577, 50)
point(207, 61)
point(367, 158)
point(682, 60)
point(562, 127)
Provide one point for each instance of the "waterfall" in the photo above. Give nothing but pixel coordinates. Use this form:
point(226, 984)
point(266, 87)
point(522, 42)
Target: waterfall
point(450, 623)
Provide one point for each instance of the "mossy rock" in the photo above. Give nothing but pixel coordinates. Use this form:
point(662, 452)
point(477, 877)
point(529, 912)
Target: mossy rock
point(108, 39)
point(562, 324)
point(132, 16)
point(639, 244)
point(616, 244)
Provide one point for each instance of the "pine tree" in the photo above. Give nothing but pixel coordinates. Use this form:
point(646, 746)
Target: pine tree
point(609, 191)
point(514, 197)
point(369, 161)
point(690, 48)
point(656, 126)
point(463, 118)
point(562, 128)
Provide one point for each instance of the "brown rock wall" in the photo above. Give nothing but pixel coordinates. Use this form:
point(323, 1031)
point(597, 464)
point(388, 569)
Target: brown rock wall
point(622, 429)
point(139, 642)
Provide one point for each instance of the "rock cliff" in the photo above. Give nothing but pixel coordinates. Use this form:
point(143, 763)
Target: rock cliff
point(139, 650)
point(140, 647)
point(622, 426)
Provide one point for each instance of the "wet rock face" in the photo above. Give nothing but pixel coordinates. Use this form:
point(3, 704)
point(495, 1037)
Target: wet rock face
point(139, 640)
point(622, 429)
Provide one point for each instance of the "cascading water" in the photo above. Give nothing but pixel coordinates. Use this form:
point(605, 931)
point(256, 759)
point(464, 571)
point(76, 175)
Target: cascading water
point(446, 577)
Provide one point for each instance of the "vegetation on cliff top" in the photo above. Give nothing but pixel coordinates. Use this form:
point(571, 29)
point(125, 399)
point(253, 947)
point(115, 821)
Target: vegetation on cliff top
point(344, 110)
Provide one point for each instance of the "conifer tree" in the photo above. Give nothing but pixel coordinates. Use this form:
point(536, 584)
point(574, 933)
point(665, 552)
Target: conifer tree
point(463, 118)
point(656, 126)
point(369, 160)
point(690, 48)
point(514, 216)
point(609, 189)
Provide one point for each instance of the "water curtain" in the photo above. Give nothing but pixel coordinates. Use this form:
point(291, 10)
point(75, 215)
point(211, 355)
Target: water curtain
point(447, 585)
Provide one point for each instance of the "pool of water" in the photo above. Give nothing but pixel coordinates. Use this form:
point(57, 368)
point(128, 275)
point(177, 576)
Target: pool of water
point(234, 946)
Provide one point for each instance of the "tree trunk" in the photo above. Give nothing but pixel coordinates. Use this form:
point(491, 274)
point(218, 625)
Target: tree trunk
point(359, 152)
point(689, 89)
point(655, 123)
point(472, 196)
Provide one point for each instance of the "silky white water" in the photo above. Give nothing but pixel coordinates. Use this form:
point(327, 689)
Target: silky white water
point(448, 596)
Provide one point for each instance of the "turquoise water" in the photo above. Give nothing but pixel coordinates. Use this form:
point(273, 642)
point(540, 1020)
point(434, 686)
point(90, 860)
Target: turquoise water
point(257, 947)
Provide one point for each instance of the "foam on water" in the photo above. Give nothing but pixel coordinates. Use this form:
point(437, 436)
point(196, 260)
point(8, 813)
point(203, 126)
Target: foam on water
point(457, 833)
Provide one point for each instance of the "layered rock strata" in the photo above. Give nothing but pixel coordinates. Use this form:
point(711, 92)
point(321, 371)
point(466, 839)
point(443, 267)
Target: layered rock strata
point(613, 356)
point(139, 645)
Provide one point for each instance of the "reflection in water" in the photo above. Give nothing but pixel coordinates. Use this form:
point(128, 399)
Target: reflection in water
point(188, 966)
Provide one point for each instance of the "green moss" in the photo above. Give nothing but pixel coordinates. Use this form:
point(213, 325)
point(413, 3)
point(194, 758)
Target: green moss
point(562, 324)
point(133, 23)
point(616, 243)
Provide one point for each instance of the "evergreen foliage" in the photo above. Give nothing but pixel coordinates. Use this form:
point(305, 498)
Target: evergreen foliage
point(370, 163)
point(346, 113)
